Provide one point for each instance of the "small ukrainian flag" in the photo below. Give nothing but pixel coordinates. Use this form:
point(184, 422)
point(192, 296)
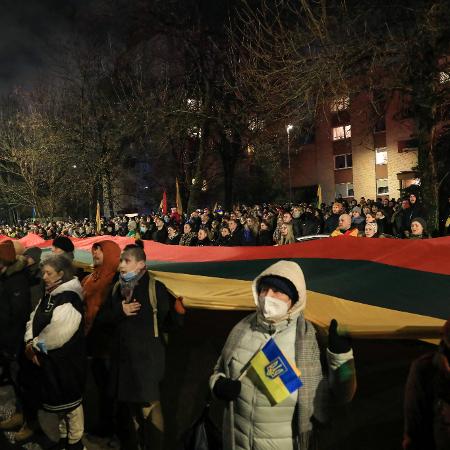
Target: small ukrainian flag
point(279, 377)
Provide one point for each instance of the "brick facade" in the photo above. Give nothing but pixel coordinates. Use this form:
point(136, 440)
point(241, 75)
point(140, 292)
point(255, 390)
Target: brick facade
point(315, 163)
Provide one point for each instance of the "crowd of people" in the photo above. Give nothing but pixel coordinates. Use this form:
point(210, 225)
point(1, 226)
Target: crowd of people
point(267, 224)
point(55, 321)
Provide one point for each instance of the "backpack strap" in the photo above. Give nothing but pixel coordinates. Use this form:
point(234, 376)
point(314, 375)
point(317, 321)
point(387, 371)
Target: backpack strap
point(153, 302)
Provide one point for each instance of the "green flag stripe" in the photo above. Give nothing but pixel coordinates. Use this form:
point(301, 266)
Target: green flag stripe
point(366, 282)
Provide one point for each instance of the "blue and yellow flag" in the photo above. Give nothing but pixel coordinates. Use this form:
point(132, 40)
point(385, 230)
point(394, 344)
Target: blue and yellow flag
point(277, 374)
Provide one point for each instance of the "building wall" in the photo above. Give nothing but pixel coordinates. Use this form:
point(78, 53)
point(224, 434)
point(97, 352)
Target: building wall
point(325, 157)
point(314, 164)
point(398, 129)
point(364, 177)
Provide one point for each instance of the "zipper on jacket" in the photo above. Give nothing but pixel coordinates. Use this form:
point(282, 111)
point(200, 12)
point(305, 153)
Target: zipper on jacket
point(252, 414)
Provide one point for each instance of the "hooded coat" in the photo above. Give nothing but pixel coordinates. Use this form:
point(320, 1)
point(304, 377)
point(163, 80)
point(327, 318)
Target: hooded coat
point(97, 285)
point(56, 330)
point(251, 422)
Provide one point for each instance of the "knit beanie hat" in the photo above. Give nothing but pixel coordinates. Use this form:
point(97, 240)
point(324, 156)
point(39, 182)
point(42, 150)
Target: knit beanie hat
point(34, 253)
point(357, 209)
point(7, 252)
point(280, 284)
point(64, 243)
point(372, 225)
point(422, 222)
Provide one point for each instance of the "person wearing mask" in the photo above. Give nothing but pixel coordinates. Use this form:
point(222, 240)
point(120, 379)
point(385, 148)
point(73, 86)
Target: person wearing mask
point(141, 310)
point(251, 420)
point(33, 270)
point(145, 232)
point(427, 399)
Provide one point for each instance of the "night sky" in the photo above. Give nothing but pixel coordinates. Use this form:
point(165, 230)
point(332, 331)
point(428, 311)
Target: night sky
point(28, 29)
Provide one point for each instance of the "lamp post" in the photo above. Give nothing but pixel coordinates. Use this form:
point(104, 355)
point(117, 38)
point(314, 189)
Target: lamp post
point(288, 130)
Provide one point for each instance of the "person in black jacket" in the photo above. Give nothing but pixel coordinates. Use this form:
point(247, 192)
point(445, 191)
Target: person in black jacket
point(265, 236)
point(237, 233)
point(160, 234)
point(140, 310)
point(15, 308)
point(333, 220)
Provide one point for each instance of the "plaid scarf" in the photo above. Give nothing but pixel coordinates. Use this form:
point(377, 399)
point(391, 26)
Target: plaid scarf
point(310, 358)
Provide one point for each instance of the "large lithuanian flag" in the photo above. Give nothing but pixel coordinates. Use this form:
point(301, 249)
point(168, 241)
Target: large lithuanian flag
point(373, 287)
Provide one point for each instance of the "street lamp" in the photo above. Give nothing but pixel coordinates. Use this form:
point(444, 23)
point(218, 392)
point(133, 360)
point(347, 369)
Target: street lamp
point(288, 131)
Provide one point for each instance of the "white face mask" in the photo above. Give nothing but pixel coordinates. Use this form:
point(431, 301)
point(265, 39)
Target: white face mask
point(272, 308)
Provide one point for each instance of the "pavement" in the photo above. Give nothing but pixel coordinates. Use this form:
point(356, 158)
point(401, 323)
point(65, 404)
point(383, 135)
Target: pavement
point(373, 421)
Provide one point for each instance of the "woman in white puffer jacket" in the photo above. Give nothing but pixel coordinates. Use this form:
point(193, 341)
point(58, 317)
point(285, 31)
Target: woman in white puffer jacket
point(251, 422)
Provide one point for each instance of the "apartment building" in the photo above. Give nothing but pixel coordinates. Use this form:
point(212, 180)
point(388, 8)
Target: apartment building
point(356, 154)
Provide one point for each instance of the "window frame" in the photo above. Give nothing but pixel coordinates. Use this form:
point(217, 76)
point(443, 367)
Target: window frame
point(348, 189)
point(377, 152)
point(378, 187)
point(346, 155)
point(347, 133)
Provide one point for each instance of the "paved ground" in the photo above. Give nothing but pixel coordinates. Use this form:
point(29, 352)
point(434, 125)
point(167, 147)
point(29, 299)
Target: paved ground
point(372, 422)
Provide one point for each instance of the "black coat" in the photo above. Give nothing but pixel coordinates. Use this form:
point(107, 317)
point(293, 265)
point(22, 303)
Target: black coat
point(138, 357)
point(265, 237)
point(15, 307)
point(331, 223)
point(237, 237)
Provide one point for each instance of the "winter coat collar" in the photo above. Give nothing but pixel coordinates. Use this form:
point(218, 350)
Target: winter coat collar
point(71, 285)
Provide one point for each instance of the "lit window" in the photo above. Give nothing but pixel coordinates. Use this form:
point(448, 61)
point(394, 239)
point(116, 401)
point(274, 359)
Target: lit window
point(382, 186)
point(250, 149)
point(444, 77)
point(340, 104)
point(342, 132)
point(343, 161)
point(344, 190)
point(381, 155)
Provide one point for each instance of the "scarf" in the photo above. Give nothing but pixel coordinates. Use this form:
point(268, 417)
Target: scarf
point(51, 287)
point(127, 287)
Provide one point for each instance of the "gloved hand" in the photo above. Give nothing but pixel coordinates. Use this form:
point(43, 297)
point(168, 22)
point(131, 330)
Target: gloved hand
point(337, 343)
point(227, 389)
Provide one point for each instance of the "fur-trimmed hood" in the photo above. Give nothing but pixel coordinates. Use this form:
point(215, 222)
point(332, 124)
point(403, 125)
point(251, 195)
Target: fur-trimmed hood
point(291, 271)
